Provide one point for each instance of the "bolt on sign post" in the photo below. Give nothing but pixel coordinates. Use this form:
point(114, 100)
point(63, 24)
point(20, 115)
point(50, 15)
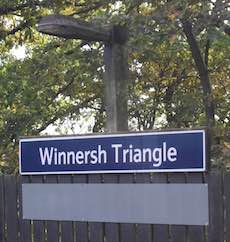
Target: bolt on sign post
point(116, 67)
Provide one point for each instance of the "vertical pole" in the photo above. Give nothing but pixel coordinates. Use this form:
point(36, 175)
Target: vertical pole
point(116, 76)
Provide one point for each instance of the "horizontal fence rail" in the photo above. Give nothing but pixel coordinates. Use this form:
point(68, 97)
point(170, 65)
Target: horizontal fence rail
point(14, 229)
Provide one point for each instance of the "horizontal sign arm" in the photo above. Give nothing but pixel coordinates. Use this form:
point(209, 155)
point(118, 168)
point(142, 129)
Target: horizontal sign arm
point(71, 28)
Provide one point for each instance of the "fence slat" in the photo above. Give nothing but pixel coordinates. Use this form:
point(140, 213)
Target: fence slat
point(227, 204)
point(66, 226)
point(52, 226)
point(111, 229)
point(216, 225)
point(178, 232)
point(81, 227)
point(143, 231)
point(127, 231)
point(24, 225)
point(11, 208)
point(38, 225)
point(2, 205)
point(96, 232)
point(160, 231)
point(195, 233)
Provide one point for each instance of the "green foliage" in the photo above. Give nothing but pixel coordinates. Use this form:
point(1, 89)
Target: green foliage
point(61, 80)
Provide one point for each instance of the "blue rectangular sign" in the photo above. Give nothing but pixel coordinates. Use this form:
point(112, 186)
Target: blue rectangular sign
point(172, 151)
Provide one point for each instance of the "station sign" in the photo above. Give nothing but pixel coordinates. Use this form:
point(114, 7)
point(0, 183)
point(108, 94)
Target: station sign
point(171, 151)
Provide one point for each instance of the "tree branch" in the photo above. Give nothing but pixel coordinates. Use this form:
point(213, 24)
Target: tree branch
point(135, 5)
point(20, 27)
point(226, 28)
point(203, 73)
point(173, 86)
point(89, 8)
point(9, 9)
point(206, 53)
point(63, 89)
point(75, 108)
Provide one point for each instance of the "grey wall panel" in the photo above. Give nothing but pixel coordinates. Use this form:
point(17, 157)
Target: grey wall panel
point(121, 203)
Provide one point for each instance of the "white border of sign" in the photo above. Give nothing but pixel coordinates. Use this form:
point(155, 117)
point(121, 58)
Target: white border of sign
point(115, 135)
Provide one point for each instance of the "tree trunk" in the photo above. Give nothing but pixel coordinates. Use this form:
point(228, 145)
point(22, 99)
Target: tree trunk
point(203, 73)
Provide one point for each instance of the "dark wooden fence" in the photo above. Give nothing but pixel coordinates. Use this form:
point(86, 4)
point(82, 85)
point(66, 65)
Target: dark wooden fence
point(14, 229)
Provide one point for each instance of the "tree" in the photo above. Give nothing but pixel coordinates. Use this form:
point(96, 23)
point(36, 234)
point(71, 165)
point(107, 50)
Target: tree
point(178, 58)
